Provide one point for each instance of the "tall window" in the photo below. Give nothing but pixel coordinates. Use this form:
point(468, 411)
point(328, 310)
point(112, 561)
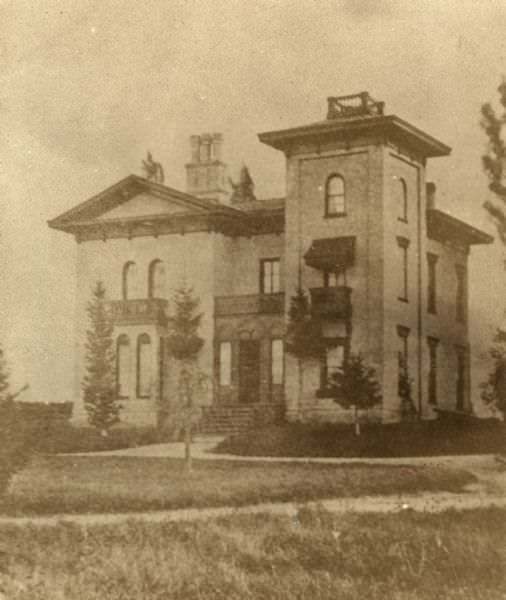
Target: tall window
point(144, 364)
point(403, 268)
point(401, 192)
point(332, 361)
point(433, 343)
point(335, 203)
point(129, 281)
point(402, 355)
point(461, 300)
point(157, 280)
point(225, 363)
point(431, 291)
point(269, 276)
point(277, 362)
point(334, 278)
point(123, 366)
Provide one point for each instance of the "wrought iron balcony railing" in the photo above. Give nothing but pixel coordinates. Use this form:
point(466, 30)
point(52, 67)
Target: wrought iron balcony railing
point(331, 302)
point(249, 304)
point(139, 311)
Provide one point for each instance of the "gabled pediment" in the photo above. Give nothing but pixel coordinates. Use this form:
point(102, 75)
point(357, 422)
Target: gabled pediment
point(135, 198)
point(145, 205)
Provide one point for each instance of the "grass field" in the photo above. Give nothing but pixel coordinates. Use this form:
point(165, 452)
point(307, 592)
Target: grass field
point(407, 556)
point(77, 484)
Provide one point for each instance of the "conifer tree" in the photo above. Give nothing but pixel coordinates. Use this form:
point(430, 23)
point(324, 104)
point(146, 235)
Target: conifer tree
point(184, 345)
point(99, 383)
point(4, 378)
point(494, 160)
point(355, 386)
point(494, 389)
point(304, 339)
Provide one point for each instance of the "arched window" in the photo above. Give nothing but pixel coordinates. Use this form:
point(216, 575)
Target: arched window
point(157, 280)
point(129, 280)
point(144, 364)
point(123, 366)
point(335, 204)
point(402, 199)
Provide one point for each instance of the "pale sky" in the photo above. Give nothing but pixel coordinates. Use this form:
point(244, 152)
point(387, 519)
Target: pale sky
point(86, 87)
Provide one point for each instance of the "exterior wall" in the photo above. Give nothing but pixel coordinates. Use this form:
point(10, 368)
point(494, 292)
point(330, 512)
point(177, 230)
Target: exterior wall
point(307, 173)
point(408, 314)
point(237, 264)
point(237, 273)
point(445, 327)
point(190, 257)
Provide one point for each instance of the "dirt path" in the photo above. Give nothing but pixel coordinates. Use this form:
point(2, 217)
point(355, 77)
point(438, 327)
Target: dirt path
point(366, 504)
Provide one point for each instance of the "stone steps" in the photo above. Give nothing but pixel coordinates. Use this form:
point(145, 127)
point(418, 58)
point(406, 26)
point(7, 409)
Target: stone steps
point(236, 418)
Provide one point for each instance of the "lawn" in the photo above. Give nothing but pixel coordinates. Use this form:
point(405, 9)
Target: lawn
point(406, 556)
point(79, 484)
point(427, 438)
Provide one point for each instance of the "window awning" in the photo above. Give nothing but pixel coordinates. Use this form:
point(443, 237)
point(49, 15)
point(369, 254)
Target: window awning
point(331, 253)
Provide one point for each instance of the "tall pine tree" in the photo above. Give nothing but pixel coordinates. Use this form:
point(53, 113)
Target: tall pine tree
point(304, 339)
point(4, 378)
point(184, 345)
point(99, 383)
point(494, 160)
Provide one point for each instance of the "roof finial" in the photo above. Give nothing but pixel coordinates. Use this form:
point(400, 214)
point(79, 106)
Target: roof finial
point(153, 170)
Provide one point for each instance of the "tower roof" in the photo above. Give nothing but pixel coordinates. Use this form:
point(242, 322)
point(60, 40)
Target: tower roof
point(353, 116)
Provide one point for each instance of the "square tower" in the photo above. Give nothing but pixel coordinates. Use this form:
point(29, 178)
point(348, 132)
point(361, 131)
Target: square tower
point(355, 236)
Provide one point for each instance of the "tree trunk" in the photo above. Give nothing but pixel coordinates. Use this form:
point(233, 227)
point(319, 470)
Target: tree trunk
point(357, 422)
point(301, 384)
point(187, 446)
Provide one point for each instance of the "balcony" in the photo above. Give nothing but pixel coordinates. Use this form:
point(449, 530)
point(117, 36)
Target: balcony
point(141, 311)
point(331, 302)
point(250, 304)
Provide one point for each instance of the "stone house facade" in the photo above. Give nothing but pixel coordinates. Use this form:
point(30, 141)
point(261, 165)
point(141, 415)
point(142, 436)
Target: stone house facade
point(386, 272)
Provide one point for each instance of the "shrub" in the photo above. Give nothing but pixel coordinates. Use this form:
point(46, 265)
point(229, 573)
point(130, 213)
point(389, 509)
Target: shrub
point(18, 442)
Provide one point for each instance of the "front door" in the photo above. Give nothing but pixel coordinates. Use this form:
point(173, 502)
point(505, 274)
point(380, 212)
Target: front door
point(249, 371)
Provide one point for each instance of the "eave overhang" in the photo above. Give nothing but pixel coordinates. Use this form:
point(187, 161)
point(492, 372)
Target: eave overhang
point(390, 127)
point(442, 227)
point(124, 190)
point(84, 222)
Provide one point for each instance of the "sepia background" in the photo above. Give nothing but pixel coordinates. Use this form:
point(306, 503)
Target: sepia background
point(86, 87)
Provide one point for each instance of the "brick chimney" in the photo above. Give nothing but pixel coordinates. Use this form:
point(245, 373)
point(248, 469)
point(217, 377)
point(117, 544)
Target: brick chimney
point(430, 193)
point(206, 173)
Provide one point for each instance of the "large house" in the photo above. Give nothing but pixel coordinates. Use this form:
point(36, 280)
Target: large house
point(386, 272)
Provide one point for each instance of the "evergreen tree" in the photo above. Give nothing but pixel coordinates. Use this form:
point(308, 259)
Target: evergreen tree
point(304, 339)
point(494, 160)
point(408, 410)
point(494, 389)
point(99, 383)
point(184, 344)
point(16, 431)
point(355, 386)
point(4, 378)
